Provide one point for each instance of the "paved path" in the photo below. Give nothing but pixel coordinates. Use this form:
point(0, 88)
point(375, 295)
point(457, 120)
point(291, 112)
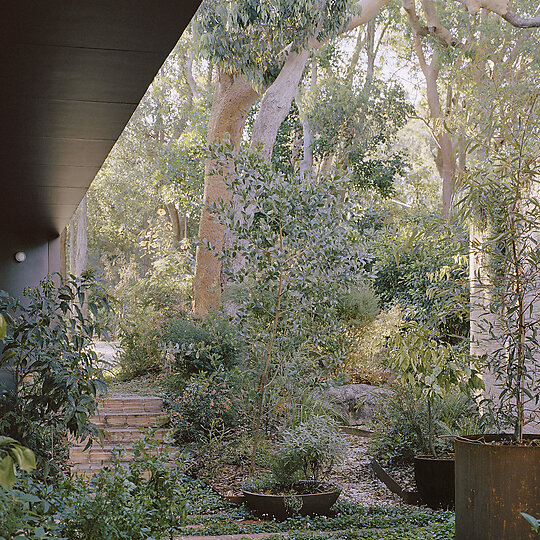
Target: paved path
point(106, 351)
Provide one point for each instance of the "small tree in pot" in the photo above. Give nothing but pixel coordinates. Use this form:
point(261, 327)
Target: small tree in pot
point(498, 477)
point(432, 368)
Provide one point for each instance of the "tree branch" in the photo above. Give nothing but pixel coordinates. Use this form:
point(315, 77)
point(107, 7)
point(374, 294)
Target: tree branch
point(521, 22)
point(501, 8)
point(367, 9)
point(434, 23)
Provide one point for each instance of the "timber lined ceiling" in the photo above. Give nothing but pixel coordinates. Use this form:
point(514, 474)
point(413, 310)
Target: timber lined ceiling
point(73, 72)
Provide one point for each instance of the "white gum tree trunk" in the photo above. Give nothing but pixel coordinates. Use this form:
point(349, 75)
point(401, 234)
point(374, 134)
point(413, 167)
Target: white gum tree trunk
point(233, 97)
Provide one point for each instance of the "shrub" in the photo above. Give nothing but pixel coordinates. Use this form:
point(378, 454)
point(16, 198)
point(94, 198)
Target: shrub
point(401, 428)
point(56, 381)
point(140, 350)
point(358, 307)
point(118, 502)
point(422, 264)
point(306, 451)
point(208, 404)
point(24, 511)
point(201, 346)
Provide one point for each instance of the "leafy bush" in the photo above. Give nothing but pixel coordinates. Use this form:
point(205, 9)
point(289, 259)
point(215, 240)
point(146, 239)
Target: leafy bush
point(208, 404)
point(420, 359)
point(422, 264)
point(300, 256)
point(358, 306)
point(306, 451)
point(118, 503)
point(56, 379)
point(401, 428)
point(140, 349)
point(199, 346)
point(26, 511)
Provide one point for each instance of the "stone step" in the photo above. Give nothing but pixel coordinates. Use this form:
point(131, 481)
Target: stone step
point(121, 435)
point(133, 400)
point(142, 406)
point(103, 456)
point(121, 418)
point(136, 419)
point(126, 410)
point(124, 435)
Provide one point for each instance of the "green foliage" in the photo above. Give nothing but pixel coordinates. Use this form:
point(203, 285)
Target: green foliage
point(13, 454)
point(358, 126)
point(306, 451)
point(208, 405)
point(285, 146)
point(297, 247)
point(247, 36)
point(351, 520)
point(140, 351)
point(421, 263)
point(26, 513)
point(401, 428)
point(47, 348)
point(422, 361)
point(144, 304)
point(144, 202)
point(533, 522)
point(201, 346)
point(358, 307)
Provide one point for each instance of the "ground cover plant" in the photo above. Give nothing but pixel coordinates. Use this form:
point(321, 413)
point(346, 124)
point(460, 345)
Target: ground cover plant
point(118, 502)
point(348, 521)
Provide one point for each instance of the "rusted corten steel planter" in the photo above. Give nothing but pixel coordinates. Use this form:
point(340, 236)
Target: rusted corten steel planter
point(494, 483)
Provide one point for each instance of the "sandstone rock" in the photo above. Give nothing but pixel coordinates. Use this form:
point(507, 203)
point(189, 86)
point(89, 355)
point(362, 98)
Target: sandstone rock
point(357, 401)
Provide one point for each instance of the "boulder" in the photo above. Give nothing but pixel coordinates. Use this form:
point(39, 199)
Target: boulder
point(357, 401)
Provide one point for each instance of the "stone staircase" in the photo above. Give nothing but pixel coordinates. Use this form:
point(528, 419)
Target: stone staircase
point(121, 418)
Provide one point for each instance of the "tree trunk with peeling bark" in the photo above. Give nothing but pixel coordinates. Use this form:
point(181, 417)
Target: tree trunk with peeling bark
point(277, 100)
point(233, 97)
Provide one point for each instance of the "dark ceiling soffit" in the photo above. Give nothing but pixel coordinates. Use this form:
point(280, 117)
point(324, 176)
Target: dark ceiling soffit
point(74, 73)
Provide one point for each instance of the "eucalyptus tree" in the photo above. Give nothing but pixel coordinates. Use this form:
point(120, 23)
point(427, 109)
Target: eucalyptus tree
point(262, 48)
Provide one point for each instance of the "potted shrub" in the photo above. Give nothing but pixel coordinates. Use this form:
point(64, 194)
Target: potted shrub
point(498, 476)
point(305, 452)
point(432, 368)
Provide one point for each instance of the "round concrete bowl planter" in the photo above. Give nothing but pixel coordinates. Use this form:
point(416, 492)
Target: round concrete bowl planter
point(494, 483)
point(282, 506)
point(435, 480)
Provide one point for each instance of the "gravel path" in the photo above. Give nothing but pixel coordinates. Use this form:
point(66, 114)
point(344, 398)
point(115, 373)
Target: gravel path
point(356, 478)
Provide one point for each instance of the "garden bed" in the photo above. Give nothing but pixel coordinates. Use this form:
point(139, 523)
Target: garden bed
point(354, 476)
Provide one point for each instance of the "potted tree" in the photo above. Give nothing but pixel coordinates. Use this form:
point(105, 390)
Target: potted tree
point(304, 453)
point(432, 368)
point(498, 476)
